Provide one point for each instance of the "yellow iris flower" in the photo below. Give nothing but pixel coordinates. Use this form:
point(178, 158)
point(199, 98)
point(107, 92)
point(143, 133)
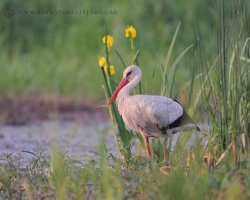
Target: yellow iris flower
point(130, 32)
point(109, 39)
point(112, 70)
point(102, 61)
point(105, 69)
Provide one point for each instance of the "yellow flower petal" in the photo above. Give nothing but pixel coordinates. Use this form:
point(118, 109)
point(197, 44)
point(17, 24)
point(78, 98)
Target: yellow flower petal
point(109, 39)
point(104, 39)
point(102, 61)
point(105, 69)
point(130, 32)
point(112, 70)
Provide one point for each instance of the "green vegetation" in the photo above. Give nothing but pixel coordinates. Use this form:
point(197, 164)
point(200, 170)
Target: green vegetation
point(211, 78)
point(46, 54)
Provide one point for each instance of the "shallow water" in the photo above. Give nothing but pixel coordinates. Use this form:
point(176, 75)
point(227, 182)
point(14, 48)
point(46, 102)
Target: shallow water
point(79, 141)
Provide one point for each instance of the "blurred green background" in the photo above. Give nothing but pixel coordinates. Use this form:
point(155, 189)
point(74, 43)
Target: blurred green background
point(48, 54)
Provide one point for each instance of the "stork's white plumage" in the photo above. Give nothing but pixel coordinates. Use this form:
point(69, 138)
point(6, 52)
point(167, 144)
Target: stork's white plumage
point(152, 116)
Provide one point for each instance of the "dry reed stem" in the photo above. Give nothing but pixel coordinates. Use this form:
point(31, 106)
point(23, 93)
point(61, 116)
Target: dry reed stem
point(203, 150)
point(223, 155)
point(193, 155)
point(163, 170)
point(244, 144)
point(188, 163)
point(209, 159)
point(234, 151)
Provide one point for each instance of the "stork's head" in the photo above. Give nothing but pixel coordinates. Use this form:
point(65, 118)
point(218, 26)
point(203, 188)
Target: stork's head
point(131, 74)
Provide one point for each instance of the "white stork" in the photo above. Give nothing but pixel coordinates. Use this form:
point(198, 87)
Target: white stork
point(152, 116)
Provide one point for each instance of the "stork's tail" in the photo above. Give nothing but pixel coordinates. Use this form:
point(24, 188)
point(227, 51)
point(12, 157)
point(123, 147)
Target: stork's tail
point(190, 127)
point(188, 123)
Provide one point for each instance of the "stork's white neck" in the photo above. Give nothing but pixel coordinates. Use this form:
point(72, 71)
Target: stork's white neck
point(124, 93)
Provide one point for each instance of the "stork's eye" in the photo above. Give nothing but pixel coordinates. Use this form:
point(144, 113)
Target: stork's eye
point(128, 73)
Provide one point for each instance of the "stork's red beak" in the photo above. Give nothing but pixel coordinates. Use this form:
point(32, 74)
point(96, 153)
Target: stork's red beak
point(123, 82)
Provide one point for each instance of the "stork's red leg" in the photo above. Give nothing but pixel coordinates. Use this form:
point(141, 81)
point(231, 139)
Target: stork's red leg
point(147, 146)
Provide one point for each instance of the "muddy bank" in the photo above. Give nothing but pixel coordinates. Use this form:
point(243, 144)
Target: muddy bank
point(33, 110)
point(76, 127)
point(78, 141)
point(31, 124)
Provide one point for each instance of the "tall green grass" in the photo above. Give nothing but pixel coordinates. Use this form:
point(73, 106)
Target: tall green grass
point(44, 54)
point(225, 86)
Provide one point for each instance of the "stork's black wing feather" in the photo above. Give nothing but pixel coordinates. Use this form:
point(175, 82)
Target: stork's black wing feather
point(181, 121)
